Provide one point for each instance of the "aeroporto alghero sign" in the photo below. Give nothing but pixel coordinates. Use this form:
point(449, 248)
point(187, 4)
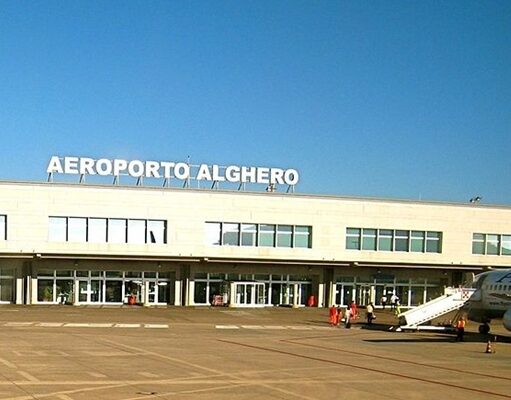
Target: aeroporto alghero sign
point(168, 170)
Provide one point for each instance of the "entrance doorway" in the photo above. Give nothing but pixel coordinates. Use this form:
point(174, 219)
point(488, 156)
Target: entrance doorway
point(381, 290)
point(363, 295)
point(90, 291)
point(344, 294)
point(249, 294)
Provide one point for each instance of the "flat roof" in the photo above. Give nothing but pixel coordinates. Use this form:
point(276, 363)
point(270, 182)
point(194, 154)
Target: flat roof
point(87, 185)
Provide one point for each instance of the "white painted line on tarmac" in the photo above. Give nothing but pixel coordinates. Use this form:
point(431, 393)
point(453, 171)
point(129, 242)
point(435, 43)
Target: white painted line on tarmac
point(273, 327)
point(227, 327)
point(127, 326)
point(50, 324)
point(85, 325)
point(156, 326)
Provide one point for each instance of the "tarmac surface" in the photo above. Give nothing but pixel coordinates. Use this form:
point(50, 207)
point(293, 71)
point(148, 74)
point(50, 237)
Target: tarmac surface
point(75, 353)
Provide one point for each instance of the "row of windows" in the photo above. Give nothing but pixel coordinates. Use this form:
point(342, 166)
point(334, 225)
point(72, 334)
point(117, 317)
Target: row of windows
point(504, 288)
point(107, 230)
point(393, 240)
point(491, 244)
point(71, 274)
point(261, 235)
point(140, 231)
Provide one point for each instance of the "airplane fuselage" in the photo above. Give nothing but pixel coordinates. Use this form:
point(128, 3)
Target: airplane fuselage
point(492, 298)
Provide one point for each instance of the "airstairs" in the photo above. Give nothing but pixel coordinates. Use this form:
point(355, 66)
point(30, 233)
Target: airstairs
point(452, 300)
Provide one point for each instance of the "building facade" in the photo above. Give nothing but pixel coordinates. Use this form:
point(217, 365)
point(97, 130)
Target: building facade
point(91, 244)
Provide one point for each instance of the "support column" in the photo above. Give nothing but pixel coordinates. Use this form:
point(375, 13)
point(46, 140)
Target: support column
point(76, 292)
point(178, 284)
point(295, 297)
point(33, 290)
point(190, 289)
point(145, 293)
point(232, 299)
point(321, 295)
point(19, 291)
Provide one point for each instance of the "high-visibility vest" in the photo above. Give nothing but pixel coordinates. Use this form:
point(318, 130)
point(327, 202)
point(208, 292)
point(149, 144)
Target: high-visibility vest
point(461, 323)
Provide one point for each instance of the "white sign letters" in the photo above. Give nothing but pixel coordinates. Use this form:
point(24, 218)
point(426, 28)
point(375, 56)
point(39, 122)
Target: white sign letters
point(167, 169)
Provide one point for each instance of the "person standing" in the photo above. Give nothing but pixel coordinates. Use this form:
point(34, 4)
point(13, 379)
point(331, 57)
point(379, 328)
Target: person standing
point(397, 311)
point(333, 318)
point(370, 313)
point(347, 318)
point(460, 329)
point(354, 310)
point(393, 301)
point(384, 300)
point(339, 316)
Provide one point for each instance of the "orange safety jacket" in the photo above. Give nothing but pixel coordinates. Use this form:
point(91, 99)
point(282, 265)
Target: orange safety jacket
point(461, 324)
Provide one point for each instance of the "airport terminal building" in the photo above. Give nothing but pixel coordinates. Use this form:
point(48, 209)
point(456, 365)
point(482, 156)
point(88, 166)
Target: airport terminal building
point(93, 244)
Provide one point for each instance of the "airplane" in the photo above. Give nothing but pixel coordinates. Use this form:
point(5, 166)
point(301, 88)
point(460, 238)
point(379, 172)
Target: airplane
point(492, 299)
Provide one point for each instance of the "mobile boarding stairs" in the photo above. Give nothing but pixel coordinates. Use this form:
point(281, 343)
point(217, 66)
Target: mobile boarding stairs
point(452, 300)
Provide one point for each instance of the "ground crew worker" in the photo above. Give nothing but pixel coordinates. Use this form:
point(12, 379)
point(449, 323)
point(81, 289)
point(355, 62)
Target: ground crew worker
point(353, 310)
point(397, 311)
point(393, 301)
point(460, 329)
point(370, 313)
point(333, 315)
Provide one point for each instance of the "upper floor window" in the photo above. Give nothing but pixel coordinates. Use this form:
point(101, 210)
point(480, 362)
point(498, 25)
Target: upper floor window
point(303, 236)
point(248, 234)
point(267, 235)
point(491, 244)
point(260, 235)
point(353, 238)
point(3, 227)
point(393, 240)
point(106, 230)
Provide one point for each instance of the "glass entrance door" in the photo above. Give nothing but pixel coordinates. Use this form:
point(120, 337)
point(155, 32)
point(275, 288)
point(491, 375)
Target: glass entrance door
point(344, 294)
point(363, 295)
point(90, 291)
point(152, 294)
point(249, 294)
point(83, 291)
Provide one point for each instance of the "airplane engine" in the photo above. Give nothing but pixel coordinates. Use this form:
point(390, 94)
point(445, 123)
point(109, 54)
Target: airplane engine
point(506, 320)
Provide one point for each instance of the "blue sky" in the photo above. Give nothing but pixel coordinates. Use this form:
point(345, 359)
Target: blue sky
point(400, 99)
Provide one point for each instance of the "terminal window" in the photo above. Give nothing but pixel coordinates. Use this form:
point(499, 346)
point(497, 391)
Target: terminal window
point(3, 227)
point(491, 244)
point(258, 235)
point(106, 230)
point(372, 239)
